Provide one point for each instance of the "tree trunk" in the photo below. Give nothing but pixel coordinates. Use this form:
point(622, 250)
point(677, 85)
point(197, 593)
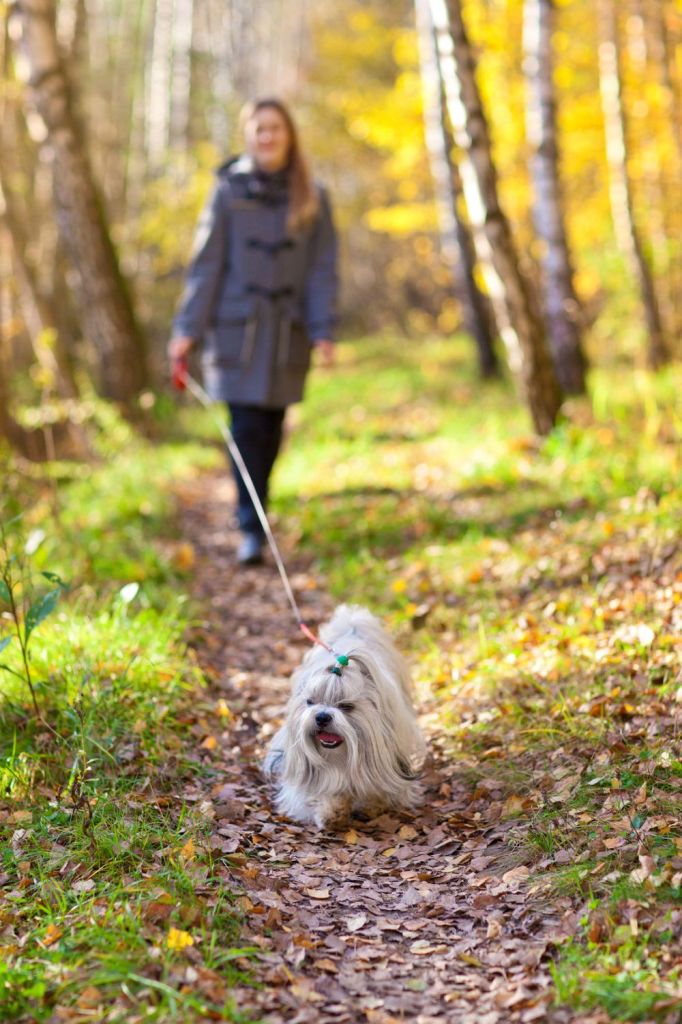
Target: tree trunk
point(560, 299)
point(158, 95)
point(183, 29)
point(29, 443)
point(221, 76)
point(17, 162)
point(135, 164)
point(661, 53)
point(662, 202)
point(520, 320)
point(620, 187)
point(40, 324)
point(456, 243)
point(656, 12)
point(105, 305)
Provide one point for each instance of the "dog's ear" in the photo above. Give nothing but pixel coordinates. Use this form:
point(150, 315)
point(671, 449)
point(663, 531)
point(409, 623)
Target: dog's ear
point(361, 665)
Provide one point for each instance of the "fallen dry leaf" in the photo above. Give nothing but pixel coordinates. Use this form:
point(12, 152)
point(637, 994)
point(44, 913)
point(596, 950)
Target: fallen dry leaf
point(52, 934)
point(84, 885)
point(517, 874)
point(407, 832)
point(317, 894)
point(188, 851)
point(326, 965)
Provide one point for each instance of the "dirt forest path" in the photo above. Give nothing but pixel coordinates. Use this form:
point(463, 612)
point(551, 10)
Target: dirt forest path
point(424, 918)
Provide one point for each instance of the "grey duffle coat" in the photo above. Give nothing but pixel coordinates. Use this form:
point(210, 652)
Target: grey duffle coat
point(256, 294)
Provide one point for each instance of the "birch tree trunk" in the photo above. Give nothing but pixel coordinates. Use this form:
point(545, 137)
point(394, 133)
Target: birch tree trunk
point(657, 13)
point(29, 443)
point(159, 83)
point(135, 167)
point(662, 198)
point(183, 26)
point(516, 310)
point(620, 187)
point(218, 29)
point(560, 299)
point(17, 180)
point(661, 52)
point(15, 435)
point(39, 322)
point(105, 306)
point(456, 243)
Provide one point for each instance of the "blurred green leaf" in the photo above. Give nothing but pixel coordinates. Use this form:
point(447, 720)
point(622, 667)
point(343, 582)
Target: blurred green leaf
point(40, 610)
point(54, 578)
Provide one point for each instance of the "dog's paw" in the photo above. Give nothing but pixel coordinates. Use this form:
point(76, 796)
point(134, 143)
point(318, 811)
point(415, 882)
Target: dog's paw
point(371, 809)
point(333, 815)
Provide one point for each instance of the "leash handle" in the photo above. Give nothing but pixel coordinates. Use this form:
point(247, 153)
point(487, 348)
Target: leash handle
point(179, 373)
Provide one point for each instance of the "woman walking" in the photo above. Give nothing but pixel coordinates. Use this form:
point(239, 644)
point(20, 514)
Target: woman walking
point(260, 294)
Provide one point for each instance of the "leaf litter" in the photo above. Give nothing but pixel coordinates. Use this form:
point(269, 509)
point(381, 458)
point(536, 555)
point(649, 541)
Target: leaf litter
point(423, 917)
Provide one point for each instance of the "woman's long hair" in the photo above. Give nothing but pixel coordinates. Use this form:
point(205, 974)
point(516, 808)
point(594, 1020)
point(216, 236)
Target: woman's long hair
point(304, 202)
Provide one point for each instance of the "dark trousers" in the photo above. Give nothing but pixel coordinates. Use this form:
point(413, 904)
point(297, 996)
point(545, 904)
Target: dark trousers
point(258, 435)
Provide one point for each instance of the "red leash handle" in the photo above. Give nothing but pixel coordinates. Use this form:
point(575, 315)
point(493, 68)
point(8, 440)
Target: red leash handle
point(179, 373)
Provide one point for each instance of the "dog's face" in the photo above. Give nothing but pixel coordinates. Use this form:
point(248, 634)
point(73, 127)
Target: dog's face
point(332, 714)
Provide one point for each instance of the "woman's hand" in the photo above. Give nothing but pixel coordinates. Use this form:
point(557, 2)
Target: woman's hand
point(327, 352)
point(179, 347)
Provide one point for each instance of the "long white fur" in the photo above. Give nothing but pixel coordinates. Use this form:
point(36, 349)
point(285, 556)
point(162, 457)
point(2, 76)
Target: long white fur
point(383, 746)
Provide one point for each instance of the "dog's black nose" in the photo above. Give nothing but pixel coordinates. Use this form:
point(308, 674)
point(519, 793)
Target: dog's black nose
point(323, 718)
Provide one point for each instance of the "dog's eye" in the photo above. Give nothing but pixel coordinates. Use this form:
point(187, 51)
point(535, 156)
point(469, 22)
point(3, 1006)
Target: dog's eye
point(346, 706)
point(310, 703)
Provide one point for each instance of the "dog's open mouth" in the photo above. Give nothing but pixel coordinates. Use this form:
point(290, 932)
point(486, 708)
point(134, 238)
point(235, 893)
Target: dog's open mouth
point(329, 739)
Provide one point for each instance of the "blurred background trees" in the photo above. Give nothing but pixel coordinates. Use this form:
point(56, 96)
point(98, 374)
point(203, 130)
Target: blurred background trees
point(115, 114)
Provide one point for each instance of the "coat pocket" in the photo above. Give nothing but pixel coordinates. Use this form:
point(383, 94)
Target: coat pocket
point(234, 332)
point(293, 344)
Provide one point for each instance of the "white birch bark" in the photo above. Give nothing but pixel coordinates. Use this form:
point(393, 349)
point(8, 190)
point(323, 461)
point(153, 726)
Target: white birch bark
point(620, 186)
point(104, 303)
point(216, 19)
point(456, 242)
point(183, 35)
point(560, 300)
point(661, 53)
point(158, 83)
point(662, 198)
point(657, 13)
point(516, 308)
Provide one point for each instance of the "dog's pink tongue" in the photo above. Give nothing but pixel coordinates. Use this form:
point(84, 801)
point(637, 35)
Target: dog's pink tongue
point(329, 737)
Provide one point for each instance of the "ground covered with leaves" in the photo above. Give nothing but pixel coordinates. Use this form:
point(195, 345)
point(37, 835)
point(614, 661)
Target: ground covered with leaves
point(536, 589)
point(420, 917)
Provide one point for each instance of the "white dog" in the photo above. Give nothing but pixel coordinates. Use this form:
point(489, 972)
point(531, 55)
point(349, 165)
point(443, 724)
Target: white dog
point(350, 741)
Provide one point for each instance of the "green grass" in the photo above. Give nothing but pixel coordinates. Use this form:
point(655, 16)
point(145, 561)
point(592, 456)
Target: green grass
point(101, 859)
point(537, 587)
point(624, 977)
